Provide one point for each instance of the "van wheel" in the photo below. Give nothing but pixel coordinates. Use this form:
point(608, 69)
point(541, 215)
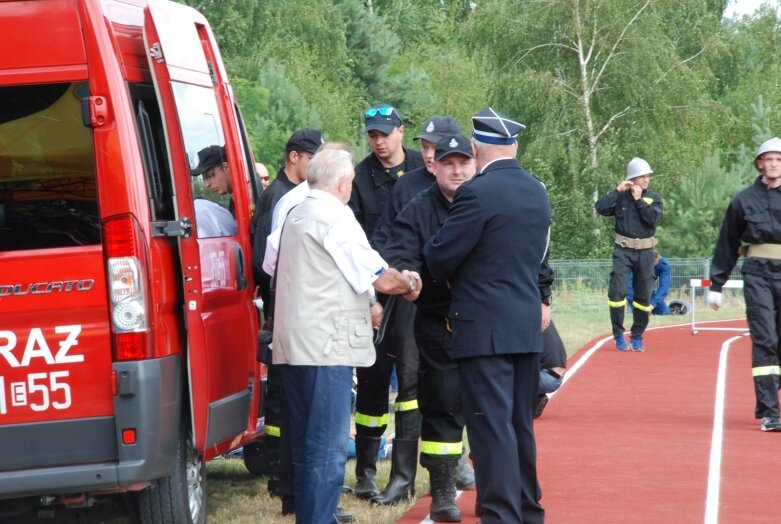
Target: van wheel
point(256, 458)
point(179, 498)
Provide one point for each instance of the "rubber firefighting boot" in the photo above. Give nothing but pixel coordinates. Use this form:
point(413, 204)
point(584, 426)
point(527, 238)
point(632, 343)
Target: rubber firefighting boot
point(443, 492)
point(404, 466)
point(366, 449)
point(465, 475)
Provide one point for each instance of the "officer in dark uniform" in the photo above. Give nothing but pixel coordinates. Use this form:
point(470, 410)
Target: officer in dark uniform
point(752, 226)
point(405, 189)
point(415, 181)
point(489, 251)
point(438, 381)
point(300, 148)
point(637, 211)
point(375, 177)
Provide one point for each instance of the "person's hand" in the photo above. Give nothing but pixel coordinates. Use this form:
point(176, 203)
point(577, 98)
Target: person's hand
point(376, 311)
point(714, 300)
point(415, 285)
point(623, 186)
point(637, 192)
point(545, 317)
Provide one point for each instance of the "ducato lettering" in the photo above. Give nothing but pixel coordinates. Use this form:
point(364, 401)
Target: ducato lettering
point(36, 346)
point(44, 288)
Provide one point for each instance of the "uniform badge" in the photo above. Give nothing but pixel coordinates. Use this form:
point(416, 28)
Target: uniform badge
point(430, 127)
point(453, 142)
point(400, 174)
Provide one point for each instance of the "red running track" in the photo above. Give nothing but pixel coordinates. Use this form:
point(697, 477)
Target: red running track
point(664, 436)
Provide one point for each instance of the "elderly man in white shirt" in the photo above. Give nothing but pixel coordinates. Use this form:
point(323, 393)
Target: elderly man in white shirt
point(290, 200)
point(323, 327)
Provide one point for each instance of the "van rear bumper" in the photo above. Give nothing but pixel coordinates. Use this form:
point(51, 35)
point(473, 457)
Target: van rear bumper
point(79, 455)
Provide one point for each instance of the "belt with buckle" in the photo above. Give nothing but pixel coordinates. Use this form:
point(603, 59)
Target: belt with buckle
point(635, 243)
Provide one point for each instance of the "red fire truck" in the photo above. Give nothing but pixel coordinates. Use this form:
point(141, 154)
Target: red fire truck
point(127, 331)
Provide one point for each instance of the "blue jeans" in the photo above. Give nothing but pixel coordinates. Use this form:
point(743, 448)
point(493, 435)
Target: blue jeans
point(318, 404)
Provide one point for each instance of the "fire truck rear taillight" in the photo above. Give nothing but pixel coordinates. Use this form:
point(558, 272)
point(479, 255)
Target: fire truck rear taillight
point(126, 267)
point(128, 294)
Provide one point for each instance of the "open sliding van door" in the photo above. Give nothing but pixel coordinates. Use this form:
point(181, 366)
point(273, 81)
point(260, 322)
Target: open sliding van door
point(221, 322)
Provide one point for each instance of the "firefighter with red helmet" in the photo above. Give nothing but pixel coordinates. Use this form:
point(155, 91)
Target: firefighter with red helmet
point(752, 225)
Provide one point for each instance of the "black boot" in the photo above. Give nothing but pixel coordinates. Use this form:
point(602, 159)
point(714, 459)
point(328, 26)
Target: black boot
point(465, 475)
point(273, 445)
point(404, 466)
point(443, 492)
point(288, 504)
point(366, 449)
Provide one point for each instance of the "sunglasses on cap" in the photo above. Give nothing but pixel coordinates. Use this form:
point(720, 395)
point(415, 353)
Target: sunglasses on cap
point(384, 111)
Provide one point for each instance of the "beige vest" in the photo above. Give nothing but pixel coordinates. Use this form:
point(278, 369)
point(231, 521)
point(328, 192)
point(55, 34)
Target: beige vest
point(318, 318)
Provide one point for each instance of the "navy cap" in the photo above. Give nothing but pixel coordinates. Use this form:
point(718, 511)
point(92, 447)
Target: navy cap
point(306, 139)
point(383, 117)
point(208, 157)
point(492, 127)
point(438, 126)
point(453, 144)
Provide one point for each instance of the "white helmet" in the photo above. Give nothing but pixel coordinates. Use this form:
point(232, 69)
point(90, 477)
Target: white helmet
point(774, 145)
point(637, 167)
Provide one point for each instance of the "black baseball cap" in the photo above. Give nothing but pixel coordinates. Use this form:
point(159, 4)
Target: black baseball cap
point(209, 157)
point(382, 117)
point(452, 144)
point(308, 140)
point(438, 126)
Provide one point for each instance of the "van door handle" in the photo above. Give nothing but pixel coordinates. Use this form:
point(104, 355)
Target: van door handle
point(238, 261)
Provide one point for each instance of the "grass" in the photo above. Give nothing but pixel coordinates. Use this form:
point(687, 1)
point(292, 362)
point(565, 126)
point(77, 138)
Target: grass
point(237, 498)
point(581, 315)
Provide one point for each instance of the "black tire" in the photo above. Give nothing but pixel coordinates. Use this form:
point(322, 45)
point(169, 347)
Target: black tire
point(256, 458)
point(179, 498)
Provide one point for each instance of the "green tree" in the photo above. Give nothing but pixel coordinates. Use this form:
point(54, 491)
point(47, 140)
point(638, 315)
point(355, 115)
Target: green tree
point(701, 199)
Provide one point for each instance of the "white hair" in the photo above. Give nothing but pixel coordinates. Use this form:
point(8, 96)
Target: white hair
point(328, 167)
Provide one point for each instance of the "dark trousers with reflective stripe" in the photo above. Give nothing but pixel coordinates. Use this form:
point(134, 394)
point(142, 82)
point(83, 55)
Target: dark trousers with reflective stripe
point(640, 263)
point(439, 391)
point(277, 434)
point(763, 310)
point(398, 347)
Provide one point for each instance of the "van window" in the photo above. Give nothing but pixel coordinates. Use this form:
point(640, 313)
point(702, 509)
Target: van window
point(151, 133)
point(48, 194)
point(204, 142)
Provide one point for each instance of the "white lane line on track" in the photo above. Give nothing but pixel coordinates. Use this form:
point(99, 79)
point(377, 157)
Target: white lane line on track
point(718, 413)
point(714, 465)
point(597, 345)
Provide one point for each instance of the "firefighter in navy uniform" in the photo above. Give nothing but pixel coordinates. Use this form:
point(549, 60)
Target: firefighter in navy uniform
point(752, 226)
point(489, 250)
point(637, 211)
point(438, 379)
point(375, 176)
point(404, 190)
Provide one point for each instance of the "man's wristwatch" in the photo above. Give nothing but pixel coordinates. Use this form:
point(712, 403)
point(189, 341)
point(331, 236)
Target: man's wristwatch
point(372, 300)
point(547, 300)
